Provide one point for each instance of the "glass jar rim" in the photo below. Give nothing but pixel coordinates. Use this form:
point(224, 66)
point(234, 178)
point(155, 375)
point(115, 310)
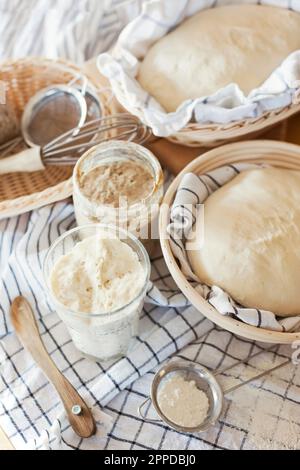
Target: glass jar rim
point(116, 229)
point(117, 144)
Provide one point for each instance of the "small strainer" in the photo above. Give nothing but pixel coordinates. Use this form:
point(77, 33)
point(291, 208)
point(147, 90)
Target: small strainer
point(52, 112)
point(205, 381)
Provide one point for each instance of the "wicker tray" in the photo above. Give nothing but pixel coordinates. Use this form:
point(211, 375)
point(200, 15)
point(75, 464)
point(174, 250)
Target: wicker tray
point(21, 192)
point(278, 154)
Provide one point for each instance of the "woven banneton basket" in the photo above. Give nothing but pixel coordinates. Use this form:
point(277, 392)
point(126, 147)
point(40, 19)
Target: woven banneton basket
point(278, 154)
point(214, 135)
point(22, 192)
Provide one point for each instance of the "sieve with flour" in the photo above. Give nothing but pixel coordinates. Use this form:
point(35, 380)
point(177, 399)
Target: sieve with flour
point(206, 382)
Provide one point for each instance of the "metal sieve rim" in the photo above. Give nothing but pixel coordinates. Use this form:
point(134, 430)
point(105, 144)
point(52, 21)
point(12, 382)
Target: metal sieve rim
point(44, 95)
point(205, 374)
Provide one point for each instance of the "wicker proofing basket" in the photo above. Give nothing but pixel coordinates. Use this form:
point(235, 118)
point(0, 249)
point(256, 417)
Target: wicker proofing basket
point(278, 154)
point(22, 192)
point(214, 135)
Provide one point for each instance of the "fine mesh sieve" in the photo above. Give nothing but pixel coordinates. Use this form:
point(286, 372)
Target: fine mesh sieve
point(60, 123)
point(55, 111)
point(52, 112)
point(205, 381)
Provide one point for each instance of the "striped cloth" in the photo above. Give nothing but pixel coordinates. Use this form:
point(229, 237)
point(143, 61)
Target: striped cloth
point(263, 415)
point(74, 29)
point(191, 195)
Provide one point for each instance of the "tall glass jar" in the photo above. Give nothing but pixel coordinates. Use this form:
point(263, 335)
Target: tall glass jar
point(101, 335)
point(139, 218)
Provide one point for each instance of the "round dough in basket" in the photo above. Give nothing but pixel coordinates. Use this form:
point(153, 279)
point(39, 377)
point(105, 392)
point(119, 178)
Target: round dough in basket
point(251, 245)
point(240, 44)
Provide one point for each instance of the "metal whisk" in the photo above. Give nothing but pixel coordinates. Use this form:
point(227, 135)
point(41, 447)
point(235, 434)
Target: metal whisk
point(68, 148)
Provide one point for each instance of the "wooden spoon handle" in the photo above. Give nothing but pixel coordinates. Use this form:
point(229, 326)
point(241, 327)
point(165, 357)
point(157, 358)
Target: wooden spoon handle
point(79, 415)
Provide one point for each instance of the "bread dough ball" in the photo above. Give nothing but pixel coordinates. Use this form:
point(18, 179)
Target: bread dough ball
point(240, 44)
point(251, 243)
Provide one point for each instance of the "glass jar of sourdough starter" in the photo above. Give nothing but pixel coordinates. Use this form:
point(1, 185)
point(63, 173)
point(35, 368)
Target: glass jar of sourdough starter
point(90, 265)
point(120, 183)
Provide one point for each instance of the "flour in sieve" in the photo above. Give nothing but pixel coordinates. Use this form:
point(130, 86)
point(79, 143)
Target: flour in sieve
point(182, 402)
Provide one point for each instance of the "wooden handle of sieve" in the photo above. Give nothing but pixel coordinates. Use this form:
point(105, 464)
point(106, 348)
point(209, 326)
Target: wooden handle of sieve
point(26, 162)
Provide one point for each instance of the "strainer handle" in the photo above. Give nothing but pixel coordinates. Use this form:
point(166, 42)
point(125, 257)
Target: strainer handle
point(143, 416)
point(256, 377)
point(244, 361)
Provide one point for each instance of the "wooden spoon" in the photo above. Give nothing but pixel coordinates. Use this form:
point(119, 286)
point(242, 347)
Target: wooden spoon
point(79, 415)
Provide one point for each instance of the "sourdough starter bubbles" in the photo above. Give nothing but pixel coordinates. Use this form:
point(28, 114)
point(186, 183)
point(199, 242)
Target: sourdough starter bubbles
point(119, 183)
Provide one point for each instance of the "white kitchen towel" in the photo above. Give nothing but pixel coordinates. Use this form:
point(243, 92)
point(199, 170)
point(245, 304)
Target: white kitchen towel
point(27, 400)
point(74, 29)
point(263, 415)
point(192, 192)
point(228, 104)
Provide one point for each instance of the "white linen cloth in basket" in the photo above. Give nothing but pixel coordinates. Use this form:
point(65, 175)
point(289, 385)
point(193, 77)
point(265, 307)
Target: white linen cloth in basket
point(228, 104)
point(192, 193)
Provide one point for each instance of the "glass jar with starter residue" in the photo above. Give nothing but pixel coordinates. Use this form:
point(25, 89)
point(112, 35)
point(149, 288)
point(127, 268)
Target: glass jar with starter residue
point(122, 184)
